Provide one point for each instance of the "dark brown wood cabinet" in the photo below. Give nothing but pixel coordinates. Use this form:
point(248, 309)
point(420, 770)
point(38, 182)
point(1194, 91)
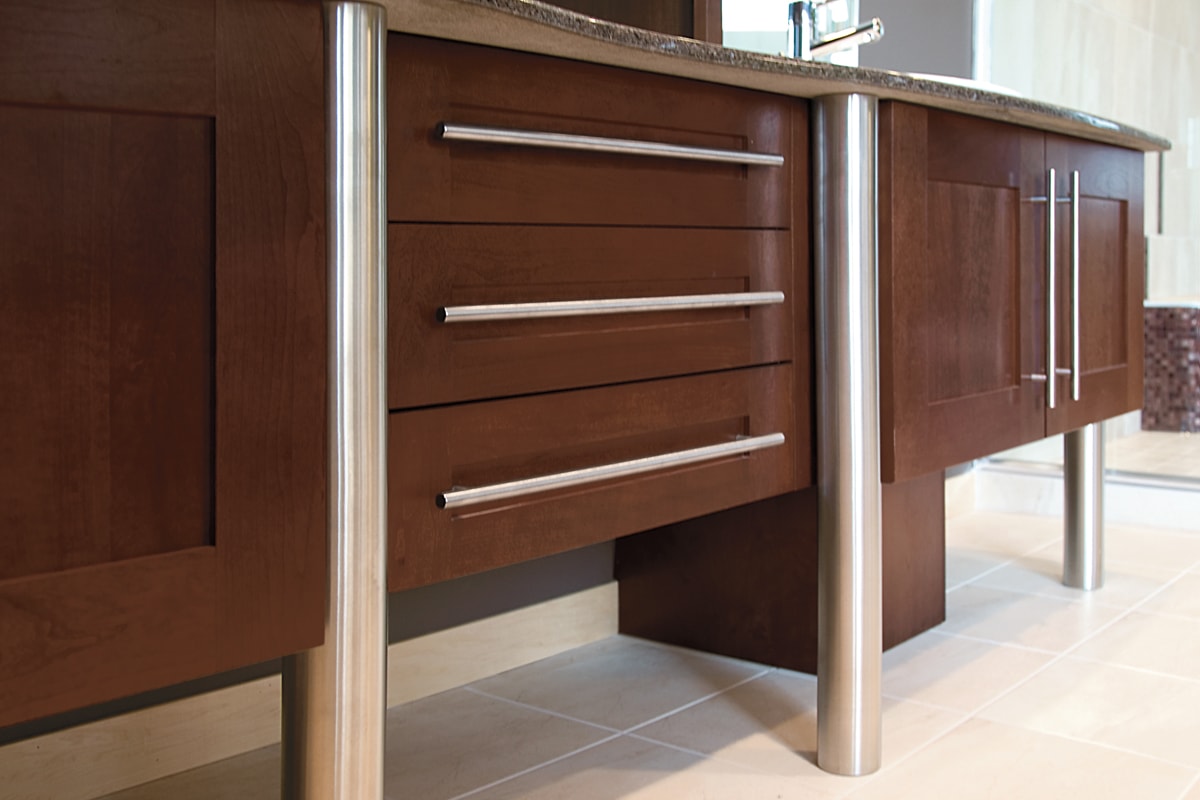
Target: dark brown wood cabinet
point(162, 368)
point(484, 223)
point(963, 280)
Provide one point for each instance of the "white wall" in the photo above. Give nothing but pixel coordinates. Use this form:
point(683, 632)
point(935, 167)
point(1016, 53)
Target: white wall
point(1135, 61)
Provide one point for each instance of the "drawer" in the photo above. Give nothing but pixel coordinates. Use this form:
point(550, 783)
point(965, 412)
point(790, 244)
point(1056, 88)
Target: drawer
point(434, 451)
point(435, 179)
point(585, 341)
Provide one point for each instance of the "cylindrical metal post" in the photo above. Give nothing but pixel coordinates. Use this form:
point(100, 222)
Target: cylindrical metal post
point(334, 696)
point(849, 572)
point(1083, 512)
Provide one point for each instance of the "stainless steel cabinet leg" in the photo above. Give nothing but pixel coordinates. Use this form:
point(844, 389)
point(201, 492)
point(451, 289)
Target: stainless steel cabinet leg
point(334, 696)
point(1083, 513)
point(850, 628)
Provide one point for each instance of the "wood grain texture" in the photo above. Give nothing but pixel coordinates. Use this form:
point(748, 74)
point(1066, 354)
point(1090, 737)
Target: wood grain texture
point(1112, 275)
point(803, 312)
point(430, 266)
point(958, 290)
point(272, 327)
point(106, 335)
point(706, 21)
point(76, 636)
point(431, 180)
point(743, 582)
point(149, 55)
point(481, 443)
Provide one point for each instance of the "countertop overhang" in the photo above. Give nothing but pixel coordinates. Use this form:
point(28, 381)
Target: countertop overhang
point(535, 27)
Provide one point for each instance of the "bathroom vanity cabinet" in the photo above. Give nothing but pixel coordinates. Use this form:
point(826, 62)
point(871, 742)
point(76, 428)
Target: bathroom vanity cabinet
point(163, 311)
point(965, 329)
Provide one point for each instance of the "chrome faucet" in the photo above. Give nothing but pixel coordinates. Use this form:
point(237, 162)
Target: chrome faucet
point(809, 43)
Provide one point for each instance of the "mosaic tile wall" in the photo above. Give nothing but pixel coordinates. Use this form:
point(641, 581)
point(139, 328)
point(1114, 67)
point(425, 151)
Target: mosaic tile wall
point(1172, 398)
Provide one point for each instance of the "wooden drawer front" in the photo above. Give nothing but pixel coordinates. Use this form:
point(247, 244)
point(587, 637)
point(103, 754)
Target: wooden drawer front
point(480, 444)
point(435, 266)
point(430, 179)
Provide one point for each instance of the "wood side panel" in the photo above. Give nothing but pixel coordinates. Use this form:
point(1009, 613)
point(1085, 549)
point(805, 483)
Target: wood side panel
point(106, 283)
point(143, 55)
point(431, 266)
point(432, 180)
point(803, 313)
point(914, 557)
point(677, 584)
point(271, 327)
point(706, 21)
point(478, 444)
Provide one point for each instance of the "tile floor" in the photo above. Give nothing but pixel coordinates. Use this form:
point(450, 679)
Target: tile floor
point(1029, 690)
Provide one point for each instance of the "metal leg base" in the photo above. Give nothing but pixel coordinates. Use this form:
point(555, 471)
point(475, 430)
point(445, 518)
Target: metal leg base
point(1083, 512)
point(849, 570)
point(334, 696)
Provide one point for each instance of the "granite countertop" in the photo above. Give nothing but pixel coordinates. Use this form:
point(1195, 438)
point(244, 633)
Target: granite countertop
point(536, 27)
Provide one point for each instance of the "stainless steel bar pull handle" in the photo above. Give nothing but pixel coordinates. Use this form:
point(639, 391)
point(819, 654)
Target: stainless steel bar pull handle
point(1076, 364)
point(617, 305)
point(457, 498)
point(602, 144)
point(1051, 292)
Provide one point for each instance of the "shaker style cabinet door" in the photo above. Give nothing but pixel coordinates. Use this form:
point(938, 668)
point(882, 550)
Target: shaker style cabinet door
point(162, 325)
point(1098, 337)
point(1010, 308)
point(957, 289)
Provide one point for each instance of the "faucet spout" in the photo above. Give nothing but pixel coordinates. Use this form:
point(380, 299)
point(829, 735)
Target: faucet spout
point(845, 39)
point(807, 42)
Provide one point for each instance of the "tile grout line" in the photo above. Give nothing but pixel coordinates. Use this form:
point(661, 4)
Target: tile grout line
point(974, 713)
point(615, 733)
point(540, 710)
point(761, 673)
point(1067, 652)
point(765, 671)
point(1048, 596)
point(1041, 651)
point(536, 767)
point(1187, 789)
point(1011, 560)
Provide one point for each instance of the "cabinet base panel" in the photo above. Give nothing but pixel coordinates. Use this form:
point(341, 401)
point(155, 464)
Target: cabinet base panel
point(743, 582)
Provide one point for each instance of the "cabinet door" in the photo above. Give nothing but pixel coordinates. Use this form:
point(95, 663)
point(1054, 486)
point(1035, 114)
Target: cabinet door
point(958, 295)
point(162, 320)
point(1107, 335)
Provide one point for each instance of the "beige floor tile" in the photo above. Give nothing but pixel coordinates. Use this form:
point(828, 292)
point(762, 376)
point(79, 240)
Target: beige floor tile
point(619, 682)
point(634, 769)
point(1125, 585)
point(964, 565)
point(770, 725)
point(1155, 715)
point(456, 741)
point(1149, 547)
point(1181, 597)
point(955, 673)
point(1010, 535)
point(250, 776)
point(1149, 641)
point(1045, 623)
point(987, 761)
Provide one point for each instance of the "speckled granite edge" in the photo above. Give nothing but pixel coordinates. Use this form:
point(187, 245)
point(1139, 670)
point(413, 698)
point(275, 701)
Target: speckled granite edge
point(534, 26)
